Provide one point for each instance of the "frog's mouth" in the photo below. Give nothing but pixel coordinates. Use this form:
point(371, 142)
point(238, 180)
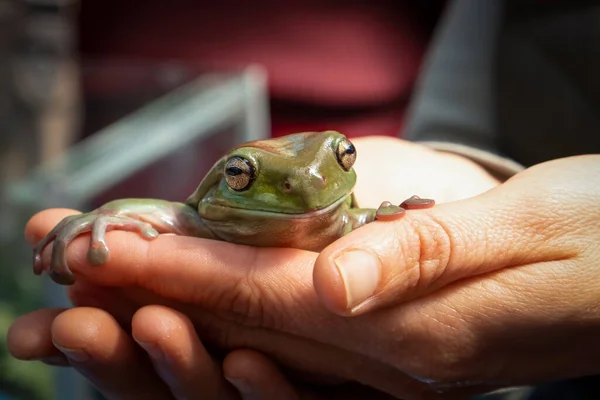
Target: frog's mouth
point(283, 215)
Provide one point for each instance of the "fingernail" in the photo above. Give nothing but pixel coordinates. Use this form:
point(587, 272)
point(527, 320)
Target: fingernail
point(77, 355)
point(361, 272)
point(242, 387)
point(159, 361)
point(152, 349)
point(54, 361)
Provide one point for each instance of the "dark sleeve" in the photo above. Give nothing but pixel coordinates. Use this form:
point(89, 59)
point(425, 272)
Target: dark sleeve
point(453, 106)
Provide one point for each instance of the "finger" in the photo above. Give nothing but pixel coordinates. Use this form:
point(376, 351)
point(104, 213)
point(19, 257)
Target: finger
point(241, 288)
point(217, 276)
point(41, 223)
point(230, 290)
point(97, 347)
point(387, 263)
point(30, 338)
point(515, 317)
point(256, 377)
point(314, 361)
point(178, 355)
point(167, 336)
point(111, 300)
point(244, 287)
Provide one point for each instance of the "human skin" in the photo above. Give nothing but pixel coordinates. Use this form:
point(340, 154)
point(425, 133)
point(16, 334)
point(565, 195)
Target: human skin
point(35, 335)
point(115, 359)
point(473, 294)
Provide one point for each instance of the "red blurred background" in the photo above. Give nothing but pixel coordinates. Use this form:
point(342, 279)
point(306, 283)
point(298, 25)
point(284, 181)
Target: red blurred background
point(332, 64)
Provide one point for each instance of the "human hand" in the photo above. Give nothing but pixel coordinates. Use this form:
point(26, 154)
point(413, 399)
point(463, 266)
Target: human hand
point(499, 272)
point(216, 285)
point(500, 288)
point(155, 355)
point(387, 146)
point(173, 365)
point(373, 150)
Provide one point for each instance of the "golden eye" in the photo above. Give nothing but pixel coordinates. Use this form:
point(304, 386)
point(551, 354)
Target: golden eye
point(346, 154)
point(239, 173)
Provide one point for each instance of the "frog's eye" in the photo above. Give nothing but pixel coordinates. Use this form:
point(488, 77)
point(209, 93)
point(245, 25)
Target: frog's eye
point(239, 173)
point(346, 154)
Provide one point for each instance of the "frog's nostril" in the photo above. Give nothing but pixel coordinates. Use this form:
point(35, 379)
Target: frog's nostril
point(287, 186)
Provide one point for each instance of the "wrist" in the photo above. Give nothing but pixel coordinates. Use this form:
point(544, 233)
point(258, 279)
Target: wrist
point(501, 168)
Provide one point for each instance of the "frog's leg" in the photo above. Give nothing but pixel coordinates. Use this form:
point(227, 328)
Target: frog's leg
point(148, 217)
point(389, 212)
point(357, 217)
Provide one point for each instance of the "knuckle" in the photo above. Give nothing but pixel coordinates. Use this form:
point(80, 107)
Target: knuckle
point(245, 303)
point(250, 301)
point(426, 247)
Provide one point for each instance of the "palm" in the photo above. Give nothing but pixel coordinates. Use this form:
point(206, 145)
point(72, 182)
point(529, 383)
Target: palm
point(394, 169)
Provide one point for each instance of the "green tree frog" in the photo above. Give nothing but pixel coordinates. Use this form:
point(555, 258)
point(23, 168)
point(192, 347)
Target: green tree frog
point(294, 191)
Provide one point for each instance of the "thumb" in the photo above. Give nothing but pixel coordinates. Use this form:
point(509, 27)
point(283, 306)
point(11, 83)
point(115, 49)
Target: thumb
point(386, 263)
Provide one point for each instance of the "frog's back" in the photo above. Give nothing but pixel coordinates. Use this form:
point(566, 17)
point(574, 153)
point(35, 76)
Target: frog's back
point(290, 145)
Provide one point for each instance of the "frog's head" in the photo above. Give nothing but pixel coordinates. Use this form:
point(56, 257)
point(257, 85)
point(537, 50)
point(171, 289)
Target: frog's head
point(295, 174)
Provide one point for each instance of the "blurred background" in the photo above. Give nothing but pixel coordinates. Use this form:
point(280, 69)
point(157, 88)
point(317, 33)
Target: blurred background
point(104, 99)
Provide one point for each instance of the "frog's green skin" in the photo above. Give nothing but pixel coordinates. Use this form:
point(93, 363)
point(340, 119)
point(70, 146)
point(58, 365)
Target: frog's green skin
point(300, 196)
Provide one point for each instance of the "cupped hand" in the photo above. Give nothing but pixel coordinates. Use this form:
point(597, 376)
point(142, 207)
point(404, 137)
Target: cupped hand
point(500, 288)
point(158, 355)
point(33, 335)
point(492, 276)
point(154, 353)
point(223, 288)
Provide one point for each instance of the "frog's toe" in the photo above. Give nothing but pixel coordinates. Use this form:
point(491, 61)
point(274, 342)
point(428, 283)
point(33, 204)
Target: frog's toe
point(148, 231)
point(38, 265)
point(125, 223)
point(63, 278)
point(389, 212)
point(97, 253)
point(59, 270)
point(417, 203)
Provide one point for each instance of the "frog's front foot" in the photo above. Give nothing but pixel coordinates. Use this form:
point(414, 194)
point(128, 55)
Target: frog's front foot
point(389, 212)
point(98, 223)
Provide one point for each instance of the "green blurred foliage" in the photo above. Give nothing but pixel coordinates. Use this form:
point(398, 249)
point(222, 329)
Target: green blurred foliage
point(20, 292)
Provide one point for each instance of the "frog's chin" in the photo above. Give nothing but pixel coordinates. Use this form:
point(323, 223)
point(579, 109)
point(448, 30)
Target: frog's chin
point(282, 215)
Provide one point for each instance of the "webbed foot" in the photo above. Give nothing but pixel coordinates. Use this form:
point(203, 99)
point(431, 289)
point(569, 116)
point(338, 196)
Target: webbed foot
point(98, 223)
